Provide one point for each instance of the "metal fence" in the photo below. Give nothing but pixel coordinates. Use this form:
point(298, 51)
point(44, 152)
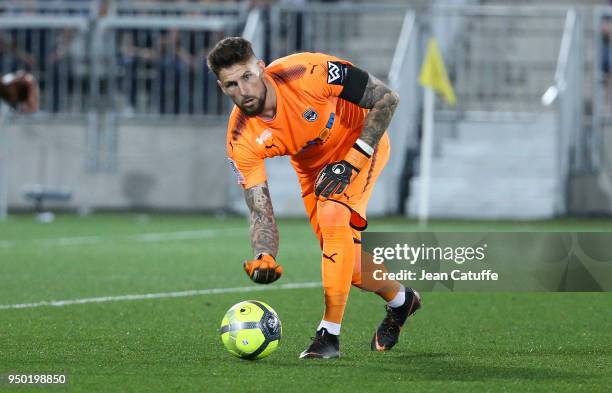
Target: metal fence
point(499, 58)
point(157, 66)
point(156, 57)
point(135, 62)
point(234, 10)
point(602, 87)
point(54, 48)
point(150, 61)
point(365, 34)
point(56, 7)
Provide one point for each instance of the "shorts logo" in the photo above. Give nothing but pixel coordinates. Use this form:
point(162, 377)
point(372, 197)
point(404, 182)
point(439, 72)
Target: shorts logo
point(310, 115)
point(336, 72)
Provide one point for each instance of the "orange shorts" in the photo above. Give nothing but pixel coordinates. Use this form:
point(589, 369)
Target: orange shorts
point(355, 196)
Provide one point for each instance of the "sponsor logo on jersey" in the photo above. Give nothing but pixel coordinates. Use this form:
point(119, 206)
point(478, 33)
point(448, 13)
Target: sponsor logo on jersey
point(336, 72)
point(310, 115)
point(323, 135)
point(326, 132)
point(266, 138)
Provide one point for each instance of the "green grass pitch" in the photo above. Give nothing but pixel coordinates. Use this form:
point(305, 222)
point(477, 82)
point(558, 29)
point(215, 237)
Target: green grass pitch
point(458, 342)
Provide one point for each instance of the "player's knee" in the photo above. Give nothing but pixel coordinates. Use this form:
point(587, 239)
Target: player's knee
point(333, 214)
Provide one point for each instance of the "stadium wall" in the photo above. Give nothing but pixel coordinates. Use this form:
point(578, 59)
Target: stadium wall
point(160, 166)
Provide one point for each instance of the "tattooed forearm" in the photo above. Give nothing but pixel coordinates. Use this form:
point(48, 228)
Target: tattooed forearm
point(382, 102)
point(264, 232)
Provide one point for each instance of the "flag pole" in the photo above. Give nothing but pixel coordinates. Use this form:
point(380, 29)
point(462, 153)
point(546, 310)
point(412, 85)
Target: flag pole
point(433, 78)
point(426, 155)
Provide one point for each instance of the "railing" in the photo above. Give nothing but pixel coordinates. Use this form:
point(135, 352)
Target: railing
point(157, 65)
point(567, 95)
point(148, 8)
point(54, 48)
point(499, 58)
point(57, 7)
point(602, 87)
point(138, 64)
point(364, 34)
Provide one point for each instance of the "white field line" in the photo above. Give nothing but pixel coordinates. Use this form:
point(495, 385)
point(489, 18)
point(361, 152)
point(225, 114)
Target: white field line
point(143, 237)
point(162, 295)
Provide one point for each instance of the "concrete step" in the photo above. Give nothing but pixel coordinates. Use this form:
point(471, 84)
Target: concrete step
point(493, 198)
point(492, 170)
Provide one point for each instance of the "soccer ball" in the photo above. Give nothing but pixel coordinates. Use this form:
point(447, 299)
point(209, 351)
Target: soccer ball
point(250, 330)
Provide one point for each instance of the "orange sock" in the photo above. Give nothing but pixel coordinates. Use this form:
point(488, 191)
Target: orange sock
point(362, 277)
point(338, 256)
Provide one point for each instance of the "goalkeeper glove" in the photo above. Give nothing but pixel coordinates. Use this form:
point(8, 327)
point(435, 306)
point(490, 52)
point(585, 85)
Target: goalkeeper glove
point(263, 269)
point(335, 177)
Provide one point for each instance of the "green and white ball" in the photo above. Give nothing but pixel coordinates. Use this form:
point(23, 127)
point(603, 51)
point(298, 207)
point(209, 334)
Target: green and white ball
point(251, 330)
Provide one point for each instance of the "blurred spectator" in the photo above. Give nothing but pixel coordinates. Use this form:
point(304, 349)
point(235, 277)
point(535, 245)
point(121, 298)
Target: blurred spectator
point(175, 62)
point(153, 70)
point(20, 91)
point(16, 57)
point(68, 65)
point(160, 60)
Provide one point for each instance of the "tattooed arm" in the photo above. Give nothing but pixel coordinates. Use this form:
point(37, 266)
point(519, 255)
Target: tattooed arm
point(264, 236)
point(381, 101)
point(264, 232)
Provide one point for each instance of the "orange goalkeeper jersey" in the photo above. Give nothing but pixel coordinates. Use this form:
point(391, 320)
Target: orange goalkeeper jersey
point(312, 124)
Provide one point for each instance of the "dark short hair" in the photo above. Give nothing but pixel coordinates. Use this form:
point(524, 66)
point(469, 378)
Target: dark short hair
point(229, 51)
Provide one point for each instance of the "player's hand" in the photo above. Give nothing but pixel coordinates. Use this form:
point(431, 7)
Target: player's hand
point(21, 91)
point(333, 178)
point(264, 269)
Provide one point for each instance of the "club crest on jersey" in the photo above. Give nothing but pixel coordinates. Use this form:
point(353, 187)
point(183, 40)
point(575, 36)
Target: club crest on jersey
point(336, 72)
point(310, 115)
point(323, 135)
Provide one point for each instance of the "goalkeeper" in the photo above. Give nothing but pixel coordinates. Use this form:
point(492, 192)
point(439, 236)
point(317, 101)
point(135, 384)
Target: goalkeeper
point(330, 117)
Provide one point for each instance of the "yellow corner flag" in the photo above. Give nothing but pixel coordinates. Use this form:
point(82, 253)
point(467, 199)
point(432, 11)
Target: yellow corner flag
point(434, 75)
